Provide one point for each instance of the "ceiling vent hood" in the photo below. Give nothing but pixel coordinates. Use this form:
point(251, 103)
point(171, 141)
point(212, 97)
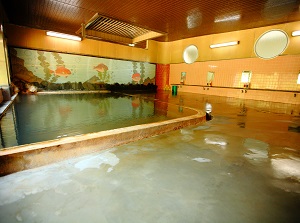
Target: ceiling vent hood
point(112, 30)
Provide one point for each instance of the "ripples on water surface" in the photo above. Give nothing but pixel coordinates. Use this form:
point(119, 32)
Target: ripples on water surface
point(36, 118)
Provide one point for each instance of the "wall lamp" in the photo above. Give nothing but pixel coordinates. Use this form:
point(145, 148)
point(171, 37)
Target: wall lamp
point(246, 78)
point(62, 35)
point(224, 44)
point(296, 33)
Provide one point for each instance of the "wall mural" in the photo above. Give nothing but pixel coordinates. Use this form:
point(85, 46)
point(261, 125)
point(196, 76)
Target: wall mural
point(67, 71)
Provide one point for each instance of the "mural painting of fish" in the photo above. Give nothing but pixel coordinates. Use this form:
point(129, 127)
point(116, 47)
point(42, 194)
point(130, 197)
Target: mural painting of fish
point(136, 77)
point(103, 73)
point(101, 67)
point(62, 71)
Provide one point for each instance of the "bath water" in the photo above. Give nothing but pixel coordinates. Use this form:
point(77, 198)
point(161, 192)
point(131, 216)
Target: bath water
point(36, 118)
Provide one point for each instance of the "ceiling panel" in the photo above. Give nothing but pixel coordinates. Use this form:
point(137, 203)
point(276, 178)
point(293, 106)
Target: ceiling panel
point(178, 18)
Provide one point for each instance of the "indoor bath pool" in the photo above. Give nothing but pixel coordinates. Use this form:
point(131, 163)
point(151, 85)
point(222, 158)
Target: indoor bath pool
point(42, 117)
point(243, 166)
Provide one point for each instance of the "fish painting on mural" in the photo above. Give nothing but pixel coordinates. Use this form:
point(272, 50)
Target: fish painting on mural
point(136, 77)
point(62, 71)
point(103, 73)
point(101, 67)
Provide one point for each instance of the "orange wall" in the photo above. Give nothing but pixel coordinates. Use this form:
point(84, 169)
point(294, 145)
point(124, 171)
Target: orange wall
point(274, 80)
point(245, 49)
point(280, 73)
point(276, 74)
point(157, 52)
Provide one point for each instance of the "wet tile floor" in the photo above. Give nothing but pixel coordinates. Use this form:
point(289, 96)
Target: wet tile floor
point(242, 166)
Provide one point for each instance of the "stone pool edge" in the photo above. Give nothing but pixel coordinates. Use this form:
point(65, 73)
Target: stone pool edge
point(18, 158)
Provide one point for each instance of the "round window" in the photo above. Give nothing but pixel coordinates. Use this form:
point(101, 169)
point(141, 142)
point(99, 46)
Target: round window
point(190, 54)
point(271, 44)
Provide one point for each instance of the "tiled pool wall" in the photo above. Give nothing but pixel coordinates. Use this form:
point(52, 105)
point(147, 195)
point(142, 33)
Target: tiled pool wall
point(20, 158)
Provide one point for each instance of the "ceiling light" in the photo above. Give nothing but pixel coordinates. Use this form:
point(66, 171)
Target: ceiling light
point(296, 33)
point(227, 18)
point(224, 44)
point(194, 18)
point(64, 36)
point(131, 44)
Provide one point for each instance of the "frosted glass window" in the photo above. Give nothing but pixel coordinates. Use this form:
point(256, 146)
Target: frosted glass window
point(190, 54)
point(271, 44)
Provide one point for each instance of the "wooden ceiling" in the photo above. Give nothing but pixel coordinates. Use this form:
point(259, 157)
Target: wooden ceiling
point(177, 19)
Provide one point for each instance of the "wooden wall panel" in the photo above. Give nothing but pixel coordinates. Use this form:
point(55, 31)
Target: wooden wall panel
point(37, 39)
point(157, 52)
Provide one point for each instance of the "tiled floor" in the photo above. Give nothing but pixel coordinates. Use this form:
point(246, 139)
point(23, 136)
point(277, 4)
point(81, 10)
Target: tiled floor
point(242, 166)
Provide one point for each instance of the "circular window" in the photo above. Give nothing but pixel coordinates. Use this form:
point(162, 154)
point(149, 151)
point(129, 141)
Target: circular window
point(190, 54)
point(271, 44)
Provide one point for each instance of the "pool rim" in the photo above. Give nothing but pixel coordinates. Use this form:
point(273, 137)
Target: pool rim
point(22, 157)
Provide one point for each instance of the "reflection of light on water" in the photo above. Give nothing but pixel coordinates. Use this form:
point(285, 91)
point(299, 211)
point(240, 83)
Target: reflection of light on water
point(215, 140)
point(202, 127)
point(33, 98)
point(202, 160)
point(180, 108)
point(257, 150)
point(56, 177)
point(96, 161)
point(135, 102)
point(287, 172)
point(256, 154)
point(64, 110)
point(61, 136)
point(186, 132)
point(286, 168)
point(208, 108)
point(187, 135)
